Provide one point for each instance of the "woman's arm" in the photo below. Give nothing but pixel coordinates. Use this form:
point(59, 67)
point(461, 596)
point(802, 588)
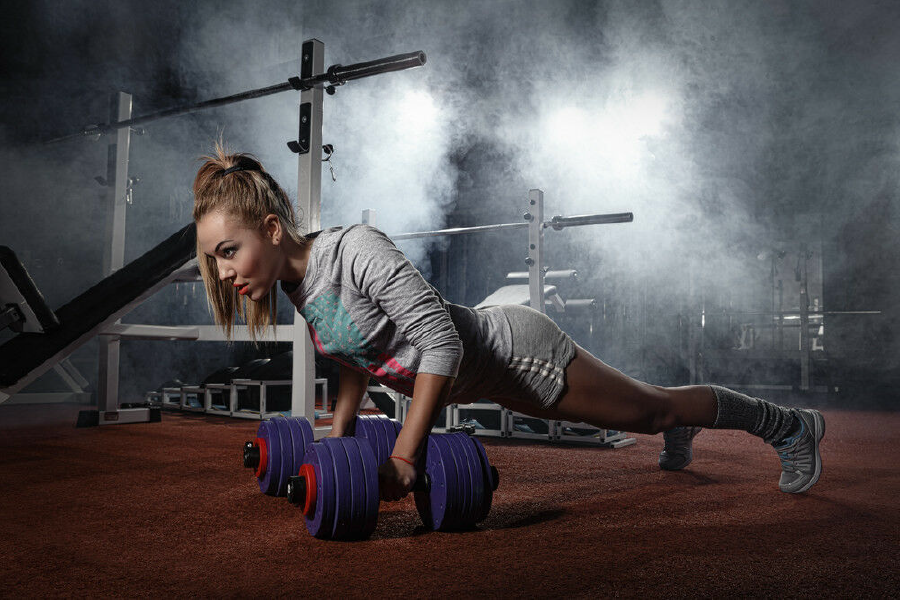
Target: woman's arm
point(381, 273)
point(429, 397)
point(352, 387)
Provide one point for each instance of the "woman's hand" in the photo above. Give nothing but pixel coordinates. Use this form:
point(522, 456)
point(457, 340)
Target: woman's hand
point(395, 479)
point(339, 429)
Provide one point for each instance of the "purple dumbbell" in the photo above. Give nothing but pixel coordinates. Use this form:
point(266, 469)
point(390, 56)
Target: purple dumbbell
point(337, 485)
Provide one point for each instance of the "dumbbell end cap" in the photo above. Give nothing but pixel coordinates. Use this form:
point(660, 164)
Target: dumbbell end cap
point(495, 477)
point(251, 455)
point(296, 490)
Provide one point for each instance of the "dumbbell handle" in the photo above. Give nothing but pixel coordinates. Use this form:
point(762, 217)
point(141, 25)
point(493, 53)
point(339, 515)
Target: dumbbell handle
point(423, 483)
point(296, 488)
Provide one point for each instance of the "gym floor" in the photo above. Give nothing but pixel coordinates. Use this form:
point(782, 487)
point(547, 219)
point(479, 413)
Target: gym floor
point(166, 509)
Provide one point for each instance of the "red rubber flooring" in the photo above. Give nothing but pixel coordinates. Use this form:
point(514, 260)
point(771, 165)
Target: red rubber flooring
point(165, 509)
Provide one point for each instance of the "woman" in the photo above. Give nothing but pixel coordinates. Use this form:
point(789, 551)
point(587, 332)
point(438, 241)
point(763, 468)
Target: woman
point(369, 309)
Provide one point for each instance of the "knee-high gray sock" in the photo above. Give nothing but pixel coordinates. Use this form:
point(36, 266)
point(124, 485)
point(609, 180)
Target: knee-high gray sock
point(738, 411)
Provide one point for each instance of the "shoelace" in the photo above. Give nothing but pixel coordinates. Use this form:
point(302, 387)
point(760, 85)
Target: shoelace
point(797, 456)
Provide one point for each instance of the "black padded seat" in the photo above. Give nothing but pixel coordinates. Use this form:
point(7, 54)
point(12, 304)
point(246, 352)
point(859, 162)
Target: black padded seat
point(25, 285)
point(278, 398)
point(28, 351)
point(224, 375)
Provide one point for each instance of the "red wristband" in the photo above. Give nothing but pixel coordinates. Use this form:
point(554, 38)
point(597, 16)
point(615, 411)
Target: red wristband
point(406, 460)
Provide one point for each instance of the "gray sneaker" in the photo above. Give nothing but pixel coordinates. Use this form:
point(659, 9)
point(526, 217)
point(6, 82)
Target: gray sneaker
point(801, 464)
point(677, 453)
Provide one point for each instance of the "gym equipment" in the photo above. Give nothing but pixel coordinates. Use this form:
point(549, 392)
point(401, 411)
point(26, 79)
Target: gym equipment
point(482, 412)
point(22, 306)
point(248, 371)
point(383, 401)
point(171, 383)
point(337, 486)
point(222, 376)
point(281, 443)
point(562, 275)
point(336, 75)
point(30, 354)
point(98, 311)
point(259, 389)
point(381, 433)
point(277, 452)
point(278, 397)
point(170, 394)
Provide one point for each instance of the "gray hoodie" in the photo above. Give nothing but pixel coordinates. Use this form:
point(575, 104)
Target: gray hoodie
point(368, 307)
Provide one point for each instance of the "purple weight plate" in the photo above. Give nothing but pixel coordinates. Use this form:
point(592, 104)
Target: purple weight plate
point(370, 479)
point(343, 498)
point(268, 483)
point(488, 481)
point(301, 437)
point(392, 432)
point(322, 521)
point(287, 451)
point(385, 434)
point(454, 484)
point(364, 431)
point(357, 488)
point(465, 478)
point(452, 494)
point(432, 506)
point(477, 471)
point(382, 453)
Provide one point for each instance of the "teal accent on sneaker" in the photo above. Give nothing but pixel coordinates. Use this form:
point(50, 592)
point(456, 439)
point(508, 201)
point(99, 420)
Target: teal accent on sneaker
point(801, 462)
point(678, 451)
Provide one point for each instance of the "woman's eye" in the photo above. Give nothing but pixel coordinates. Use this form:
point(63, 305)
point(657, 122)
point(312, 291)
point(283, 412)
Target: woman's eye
point(228, 252)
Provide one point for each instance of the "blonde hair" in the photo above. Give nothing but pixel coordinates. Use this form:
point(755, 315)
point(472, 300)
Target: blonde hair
point(248, 194)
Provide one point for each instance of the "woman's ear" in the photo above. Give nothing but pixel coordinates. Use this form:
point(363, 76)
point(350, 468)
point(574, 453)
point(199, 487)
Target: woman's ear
point(272, 228)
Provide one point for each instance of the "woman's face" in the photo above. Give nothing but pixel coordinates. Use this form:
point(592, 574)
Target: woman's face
point(245, 256)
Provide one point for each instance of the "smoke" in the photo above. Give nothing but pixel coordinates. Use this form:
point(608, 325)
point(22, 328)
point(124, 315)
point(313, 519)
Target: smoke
point(730, 131)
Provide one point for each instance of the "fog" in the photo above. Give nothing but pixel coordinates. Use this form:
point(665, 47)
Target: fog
point(740, 134)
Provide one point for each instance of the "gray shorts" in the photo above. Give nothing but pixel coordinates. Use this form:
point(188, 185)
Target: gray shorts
point(541, 351)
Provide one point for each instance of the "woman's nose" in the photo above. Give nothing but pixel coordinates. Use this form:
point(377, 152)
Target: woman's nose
point(225, 273)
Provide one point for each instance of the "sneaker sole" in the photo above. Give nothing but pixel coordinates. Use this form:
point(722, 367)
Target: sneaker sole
point(678, 466)
point(675, 467)
point(819, 431)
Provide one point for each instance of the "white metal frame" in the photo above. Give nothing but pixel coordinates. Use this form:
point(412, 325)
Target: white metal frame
point(112, 330)
point(178, 398)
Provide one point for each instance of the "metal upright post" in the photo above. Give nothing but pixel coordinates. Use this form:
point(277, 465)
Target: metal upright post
point(535, 260)
point(804, 319)
point(309, 194)
point(114, 251)
point(692, 328)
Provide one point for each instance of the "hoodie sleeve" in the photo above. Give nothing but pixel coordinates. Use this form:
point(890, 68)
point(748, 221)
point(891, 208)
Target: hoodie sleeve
point(383, 274)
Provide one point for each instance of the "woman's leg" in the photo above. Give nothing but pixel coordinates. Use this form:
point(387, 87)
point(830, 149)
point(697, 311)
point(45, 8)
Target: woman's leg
point(602, 396)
